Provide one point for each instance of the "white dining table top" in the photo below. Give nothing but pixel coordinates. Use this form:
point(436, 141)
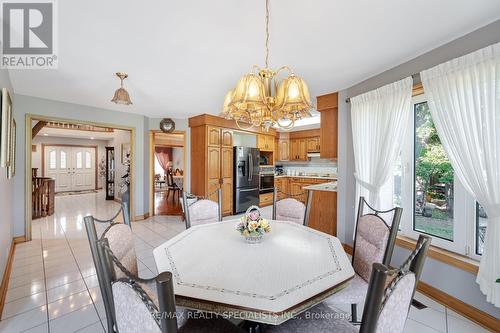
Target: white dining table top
point(215, 270)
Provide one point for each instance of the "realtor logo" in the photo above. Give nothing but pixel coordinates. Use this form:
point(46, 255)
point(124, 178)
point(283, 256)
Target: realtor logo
point(28, 34)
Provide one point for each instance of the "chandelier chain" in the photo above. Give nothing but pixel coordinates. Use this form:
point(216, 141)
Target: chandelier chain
point(267, 33)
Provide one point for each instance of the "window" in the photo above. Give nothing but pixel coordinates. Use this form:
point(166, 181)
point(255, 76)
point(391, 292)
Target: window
point(52, 159)
point(79, 162)
point(88, 160)
point(433, 206)
point(434, 201)
point(481, 223)
point(63, 160)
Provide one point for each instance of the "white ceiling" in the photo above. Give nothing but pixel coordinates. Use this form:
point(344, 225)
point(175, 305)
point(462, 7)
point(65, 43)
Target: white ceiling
point(67, 133)
point(183, 56)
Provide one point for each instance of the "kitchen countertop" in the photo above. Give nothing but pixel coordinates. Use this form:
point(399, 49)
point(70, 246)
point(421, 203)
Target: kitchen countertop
point(327, 187)
point(312, 177)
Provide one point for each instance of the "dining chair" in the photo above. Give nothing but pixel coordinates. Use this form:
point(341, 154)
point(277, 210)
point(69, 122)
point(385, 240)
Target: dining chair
point(96, 228)
point(291, 209)
point(202, 210)
point(148, 305)
point(388, 301)
point(373, 243)
point(171, 186)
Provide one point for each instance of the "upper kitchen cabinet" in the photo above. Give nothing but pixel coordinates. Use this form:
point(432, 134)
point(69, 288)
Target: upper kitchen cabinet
point(214, 136)
point(265, 142)
point(227, 137)
point(327, 105)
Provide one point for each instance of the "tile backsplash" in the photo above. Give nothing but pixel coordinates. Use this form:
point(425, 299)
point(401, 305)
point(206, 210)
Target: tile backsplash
point(315, 165)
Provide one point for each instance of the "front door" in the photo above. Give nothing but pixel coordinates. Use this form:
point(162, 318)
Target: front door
point(73, 168)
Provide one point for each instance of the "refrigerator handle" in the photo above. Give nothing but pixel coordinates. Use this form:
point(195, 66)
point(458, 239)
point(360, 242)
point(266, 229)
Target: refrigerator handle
point(250, 167)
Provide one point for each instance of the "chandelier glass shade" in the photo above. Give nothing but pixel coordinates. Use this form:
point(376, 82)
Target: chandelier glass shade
point(262, 99)
point(121, 95)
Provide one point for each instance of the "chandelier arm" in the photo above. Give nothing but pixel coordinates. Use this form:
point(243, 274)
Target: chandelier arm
point(284, 68)
point(242, 127)
point(267, 33)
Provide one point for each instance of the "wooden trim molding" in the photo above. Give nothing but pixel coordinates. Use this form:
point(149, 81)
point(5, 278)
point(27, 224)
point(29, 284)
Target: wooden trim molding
point(140, 217)
point(447, 257)
point(418, 89)
point(482, 318)
point(347, 248)
point(6, 274)
point(208, 119)
point(19, 239)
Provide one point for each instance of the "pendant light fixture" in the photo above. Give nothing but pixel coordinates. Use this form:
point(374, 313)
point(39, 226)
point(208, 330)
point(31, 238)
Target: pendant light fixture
point(261, 99)
point(121, 95)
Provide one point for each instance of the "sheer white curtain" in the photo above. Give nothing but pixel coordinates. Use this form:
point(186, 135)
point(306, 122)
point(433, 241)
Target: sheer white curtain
point(464, 100)
point(379, 120)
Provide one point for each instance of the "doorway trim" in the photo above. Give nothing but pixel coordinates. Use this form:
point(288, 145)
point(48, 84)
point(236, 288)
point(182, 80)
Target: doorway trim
point(29, 118)
point(64, 145)
point(152, 165)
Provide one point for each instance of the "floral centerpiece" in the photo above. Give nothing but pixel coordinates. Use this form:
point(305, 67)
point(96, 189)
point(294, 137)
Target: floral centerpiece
point(253, 226)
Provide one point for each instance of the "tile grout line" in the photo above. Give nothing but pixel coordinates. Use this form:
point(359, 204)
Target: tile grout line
point(83, 278)
point(446, 318)
point(45, 281)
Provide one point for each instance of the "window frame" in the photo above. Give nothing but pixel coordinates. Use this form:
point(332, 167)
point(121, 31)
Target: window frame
point(463, 205)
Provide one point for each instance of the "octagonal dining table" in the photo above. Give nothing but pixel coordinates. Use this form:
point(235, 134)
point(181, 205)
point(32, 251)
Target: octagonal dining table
point(290, 271)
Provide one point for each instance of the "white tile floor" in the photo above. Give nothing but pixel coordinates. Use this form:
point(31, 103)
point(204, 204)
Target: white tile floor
point(53, 286)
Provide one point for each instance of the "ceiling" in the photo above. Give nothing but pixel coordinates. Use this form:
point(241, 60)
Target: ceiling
point(183, 56)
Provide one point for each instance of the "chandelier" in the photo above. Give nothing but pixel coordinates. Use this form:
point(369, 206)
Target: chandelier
point(261, 99)
point(121, 95)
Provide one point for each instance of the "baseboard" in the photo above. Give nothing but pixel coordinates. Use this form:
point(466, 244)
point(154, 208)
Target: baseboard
point(6, 275)
point(347, 248)
point(19, 239)
point(482, 318)
point(141, 217)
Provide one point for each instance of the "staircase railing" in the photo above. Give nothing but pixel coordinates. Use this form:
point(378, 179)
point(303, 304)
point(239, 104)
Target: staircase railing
point(43, 197)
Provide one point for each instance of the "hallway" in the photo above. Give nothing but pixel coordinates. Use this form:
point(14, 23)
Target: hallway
point(53, 286)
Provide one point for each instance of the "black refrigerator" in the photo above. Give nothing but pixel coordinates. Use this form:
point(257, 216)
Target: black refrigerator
point(246, 178)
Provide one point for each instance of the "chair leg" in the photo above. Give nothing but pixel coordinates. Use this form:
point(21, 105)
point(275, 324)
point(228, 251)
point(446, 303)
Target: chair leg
point(354, 313)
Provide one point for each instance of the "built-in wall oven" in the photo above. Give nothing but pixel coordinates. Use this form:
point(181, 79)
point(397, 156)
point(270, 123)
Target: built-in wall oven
point(266, 183)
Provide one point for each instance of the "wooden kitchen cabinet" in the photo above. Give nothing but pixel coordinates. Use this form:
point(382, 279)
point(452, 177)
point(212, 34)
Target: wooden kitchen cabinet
point(212, 156)
point(265, 199)
point(214, 135)
point(313, 145)
point(327, 105)
point(281, 185)
point(284, 149)
point(227, 138)
point(227, 180)
point(265, 142)
point(298, 150)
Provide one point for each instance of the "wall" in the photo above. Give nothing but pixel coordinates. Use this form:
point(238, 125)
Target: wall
point(177, 158)
point(36, 157)
point(455, 282)
point(7, 190)
point(38, 106)
point(244, 140)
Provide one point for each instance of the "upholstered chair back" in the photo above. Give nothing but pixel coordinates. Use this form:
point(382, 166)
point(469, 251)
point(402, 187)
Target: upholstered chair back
point(374, 238)
point(397, 301)
point(203, 210)
point(96, 228)
point(290, 209)
point(132, 314)
point(121, 242)
point(370, 244)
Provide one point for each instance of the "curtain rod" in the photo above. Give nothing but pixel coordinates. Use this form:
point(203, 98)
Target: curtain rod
point(417, 75)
